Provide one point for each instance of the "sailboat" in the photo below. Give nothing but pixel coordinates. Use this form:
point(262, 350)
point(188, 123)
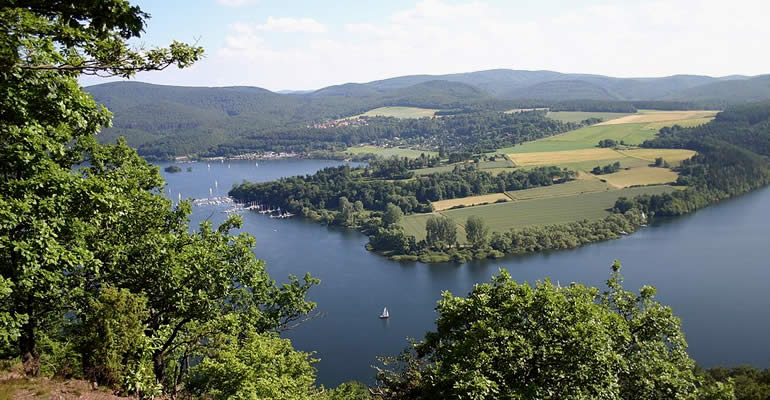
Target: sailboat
point(385, 313)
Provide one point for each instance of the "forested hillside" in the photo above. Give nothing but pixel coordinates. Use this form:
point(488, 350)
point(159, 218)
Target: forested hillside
point(169, 121)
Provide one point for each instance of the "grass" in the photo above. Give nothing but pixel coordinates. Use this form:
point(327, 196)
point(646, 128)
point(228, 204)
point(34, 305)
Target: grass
point(388, 152)
point(400, 112)
point(587, 159)
point(633, 129)
point(561, 157)
point(469, 201)
point(673, 156)
point(549, 210)
point(558, 204)
point(572, 188)
point(640, 176)
point(579, 116)
point(659, 116)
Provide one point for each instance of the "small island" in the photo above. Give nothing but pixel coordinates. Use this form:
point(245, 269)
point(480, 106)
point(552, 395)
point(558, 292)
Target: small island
point(172, 169)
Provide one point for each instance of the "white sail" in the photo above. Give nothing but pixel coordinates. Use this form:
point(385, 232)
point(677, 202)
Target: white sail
point(385, 313)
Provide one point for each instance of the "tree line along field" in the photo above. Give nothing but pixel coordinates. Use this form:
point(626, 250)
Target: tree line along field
point(494, 167)
point(540, 209)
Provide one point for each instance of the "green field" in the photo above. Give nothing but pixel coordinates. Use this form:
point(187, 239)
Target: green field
point(579, 116)
point(388, 152)
point(586, 138)
point(549, 206)
point(633, 129)
point(502, 217)
point(399, 112)
point(572, 188)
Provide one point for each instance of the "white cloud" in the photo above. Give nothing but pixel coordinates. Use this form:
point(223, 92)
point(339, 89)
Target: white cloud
point(236, 3)
point(647, 38)
point(306, 25)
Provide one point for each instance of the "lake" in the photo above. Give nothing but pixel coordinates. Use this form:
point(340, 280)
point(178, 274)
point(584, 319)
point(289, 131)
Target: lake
point(712, 267)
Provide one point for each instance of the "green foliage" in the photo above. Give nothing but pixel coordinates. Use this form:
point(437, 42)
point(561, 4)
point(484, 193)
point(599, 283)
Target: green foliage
point(441, 232)
point(511, 340)
point(255, 366)
point(323, 190)
point(113, 340)
point(94, 260)
point(392, 215)
point(749, 383)
point(476, 231)
point(348, 391)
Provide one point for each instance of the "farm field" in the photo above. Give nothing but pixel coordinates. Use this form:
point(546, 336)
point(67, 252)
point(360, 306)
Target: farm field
point(389, 151)
point(538, 211)
point(632, 129)
point(586, 159)
point(589, 184)
point(673, 156)
point(469, 201)
point(640, 176)
point(548, 211)
point(399, 112)
point(561, 157)
point(660, 116)
point(578, 116)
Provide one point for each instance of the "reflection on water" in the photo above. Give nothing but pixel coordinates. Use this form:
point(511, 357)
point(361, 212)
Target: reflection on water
point(710, 267)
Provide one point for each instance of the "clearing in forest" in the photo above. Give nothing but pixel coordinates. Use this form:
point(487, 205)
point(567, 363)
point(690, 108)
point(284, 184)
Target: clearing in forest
point(469, 201)
point(388, 152)
point(400, 112)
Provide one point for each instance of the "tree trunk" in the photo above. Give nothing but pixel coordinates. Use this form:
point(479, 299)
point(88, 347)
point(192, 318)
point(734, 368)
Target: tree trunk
point(30, 358)
point(158, 366)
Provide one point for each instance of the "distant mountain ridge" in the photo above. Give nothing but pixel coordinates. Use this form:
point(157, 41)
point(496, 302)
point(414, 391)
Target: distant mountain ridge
point(189, 120)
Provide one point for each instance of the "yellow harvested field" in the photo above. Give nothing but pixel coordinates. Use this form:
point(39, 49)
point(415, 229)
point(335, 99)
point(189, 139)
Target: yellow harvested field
point(561, 157)
point(640, 176)
point(673, 156)
point(659, 116)
point(469, 201)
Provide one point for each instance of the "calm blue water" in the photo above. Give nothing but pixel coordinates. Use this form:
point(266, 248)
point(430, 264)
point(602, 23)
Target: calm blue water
point(712, 267)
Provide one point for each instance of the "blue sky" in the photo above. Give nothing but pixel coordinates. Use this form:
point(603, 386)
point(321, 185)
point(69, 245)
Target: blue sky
point(301, 44)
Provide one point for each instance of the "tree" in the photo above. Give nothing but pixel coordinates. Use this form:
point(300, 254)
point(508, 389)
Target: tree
point(253, 367)
point(441, 232)
point(511, 340)
point(392, 215)
point(46, 128)
point(346, 212)
point(476, 231)
point(658, 161)
point(78, 218)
